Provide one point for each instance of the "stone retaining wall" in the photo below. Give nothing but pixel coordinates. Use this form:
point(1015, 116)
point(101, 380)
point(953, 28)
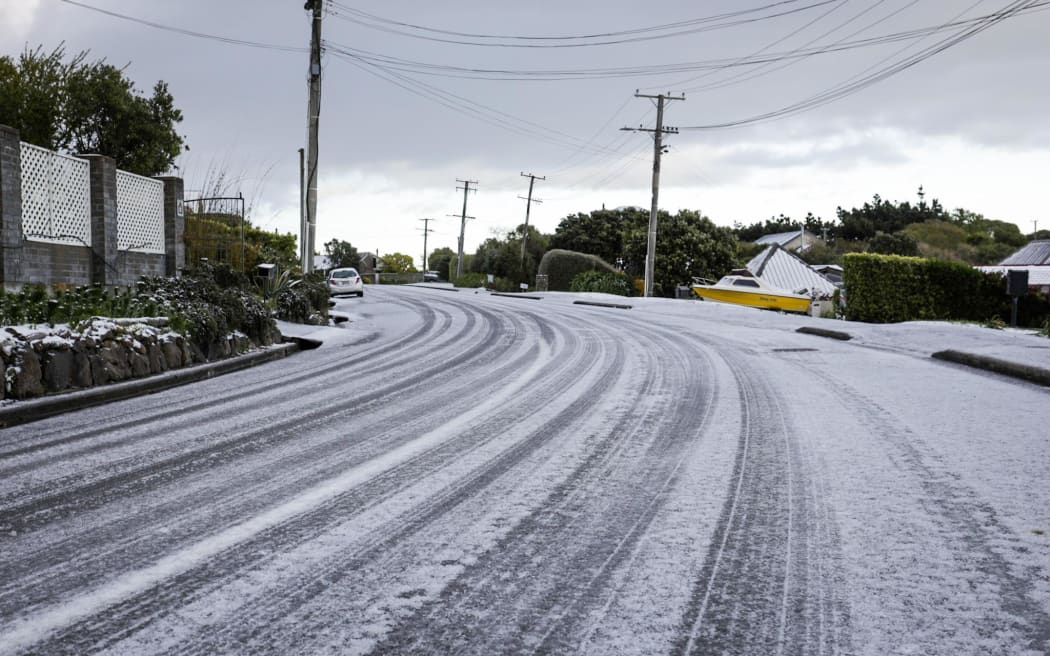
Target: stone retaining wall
point(39, 362)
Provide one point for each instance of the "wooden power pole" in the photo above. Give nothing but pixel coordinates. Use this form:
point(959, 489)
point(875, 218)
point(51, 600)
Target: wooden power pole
point(426, 231)
point(658, 149)
point(463, 221)
point(313, 115)
point(528, 205)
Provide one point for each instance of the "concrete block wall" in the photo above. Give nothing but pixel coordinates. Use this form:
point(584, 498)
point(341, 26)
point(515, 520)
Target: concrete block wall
point(24, 261)
point(55, 264)
point(10, 206)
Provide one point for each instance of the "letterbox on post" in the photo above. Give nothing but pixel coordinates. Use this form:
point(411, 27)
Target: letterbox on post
point(1016, 286)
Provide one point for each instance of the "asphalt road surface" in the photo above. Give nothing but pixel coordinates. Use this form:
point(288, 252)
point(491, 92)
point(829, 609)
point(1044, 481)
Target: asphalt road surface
point(473, 474)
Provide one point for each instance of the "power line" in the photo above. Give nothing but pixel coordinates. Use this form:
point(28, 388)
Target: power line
point(759, 59)
point(186, 32)
point(857, 82)
point(625, 36)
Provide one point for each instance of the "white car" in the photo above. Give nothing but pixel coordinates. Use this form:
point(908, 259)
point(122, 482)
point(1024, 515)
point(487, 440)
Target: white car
point(345, 281)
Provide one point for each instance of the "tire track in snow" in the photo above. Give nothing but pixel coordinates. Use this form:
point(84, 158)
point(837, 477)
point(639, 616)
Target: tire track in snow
point(27, 631)
point(1006, 615)
point(66, 557)
point(76, 496)
point(760, 590)
point(539, 585)
point(39, 437)
point(353, 567)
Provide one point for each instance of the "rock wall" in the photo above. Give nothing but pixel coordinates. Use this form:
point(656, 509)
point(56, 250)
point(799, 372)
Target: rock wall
point(39, 362)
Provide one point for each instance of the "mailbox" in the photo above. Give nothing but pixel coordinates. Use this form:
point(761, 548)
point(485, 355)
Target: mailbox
point(266, 271)
point(1017, 282)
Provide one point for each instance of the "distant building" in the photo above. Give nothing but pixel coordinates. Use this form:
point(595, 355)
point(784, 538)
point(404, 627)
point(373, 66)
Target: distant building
point(791, 241)
point(368, 263)
point(322, 263)
point(1033, 257)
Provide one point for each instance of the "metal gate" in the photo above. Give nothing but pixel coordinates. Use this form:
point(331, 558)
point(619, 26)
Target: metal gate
point(214, 230)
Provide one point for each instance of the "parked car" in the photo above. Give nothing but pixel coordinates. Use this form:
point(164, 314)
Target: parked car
point(345, 281)
point(431, 276)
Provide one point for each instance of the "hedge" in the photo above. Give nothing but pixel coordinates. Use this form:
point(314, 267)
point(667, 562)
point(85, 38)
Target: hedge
point(561, 266)
point(892, 288)
point(603, 281)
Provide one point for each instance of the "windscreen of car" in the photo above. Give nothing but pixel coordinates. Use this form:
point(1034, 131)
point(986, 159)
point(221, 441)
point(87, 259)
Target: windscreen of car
point(345, 273)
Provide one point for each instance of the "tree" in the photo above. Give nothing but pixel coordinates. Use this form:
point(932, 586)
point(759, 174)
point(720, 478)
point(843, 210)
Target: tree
point(893, 244)
point(84, 107)
point(888, 217)
point(439, 260)
point(502, 256)
point(341, 254)
point(688, 246)
point(600, 232)
point(397, 263)
point(782, 223)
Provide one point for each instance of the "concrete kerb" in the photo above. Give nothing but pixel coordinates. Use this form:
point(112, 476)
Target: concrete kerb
point(1036, 375)
point(617, 306)
point(23, 412)
point(824, 332)
point(506, 295)
point(432, 287)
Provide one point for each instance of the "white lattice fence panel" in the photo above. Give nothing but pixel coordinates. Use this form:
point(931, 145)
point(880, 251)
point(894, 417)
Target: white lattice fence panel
point(140, 213)
point(56, 197)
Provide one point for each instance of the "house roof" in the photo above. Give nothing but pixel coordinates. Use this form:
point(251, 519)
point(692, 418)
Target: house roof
point(783, 238)
point(1034, 252)
point(1038, 274)
point(784, 270)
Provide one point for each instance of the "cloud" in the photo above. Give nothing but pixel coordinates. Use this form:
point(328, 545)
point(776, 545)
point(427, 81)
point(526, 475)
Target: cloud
point(19, 17)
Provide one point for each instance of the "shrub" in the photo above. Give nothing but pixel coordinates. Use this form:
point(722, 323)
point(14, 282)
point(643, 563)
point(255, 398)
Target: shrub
point(470, 280)
point(891, 288)
point(562, 266)
point(606, 282)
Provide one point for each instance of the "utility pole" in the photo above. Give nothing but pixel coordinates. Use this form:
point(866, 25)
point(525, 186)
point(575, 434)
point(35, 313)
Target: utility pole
point(313, 114)
point(302, 208)
point(658, 150)
point(426, 231)
point(463, 221)
point(528, 205)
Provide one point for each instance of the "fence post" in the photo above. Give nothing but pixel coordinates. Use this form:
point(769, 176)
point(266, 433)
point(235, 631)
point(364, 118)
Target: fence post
point(174, 226)
point(11, 241)
point(103, 182)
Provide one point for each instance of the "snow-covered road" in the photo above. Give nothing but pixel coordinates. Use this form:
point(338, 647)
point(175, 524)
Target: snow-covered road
point(466, 473)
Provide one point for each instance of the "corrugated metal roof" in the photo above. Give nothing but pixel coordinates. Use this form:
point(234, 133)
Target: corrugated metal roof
point(1036, 252)
point(778, 268)
point(783, 238)
point(1038, 275)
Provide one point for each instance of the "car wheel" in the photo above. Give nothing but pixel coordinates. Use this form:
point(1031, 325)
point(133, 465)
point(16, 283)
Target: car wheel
point(360, 294)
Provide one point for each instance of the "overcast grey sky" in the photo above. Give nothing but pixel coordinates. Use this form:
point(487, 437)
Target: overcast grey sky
point(968, 123)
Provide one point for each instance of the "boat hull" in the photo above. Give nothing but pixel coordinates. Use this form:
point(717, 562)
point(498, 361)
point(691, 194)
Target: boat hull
point(758, 298)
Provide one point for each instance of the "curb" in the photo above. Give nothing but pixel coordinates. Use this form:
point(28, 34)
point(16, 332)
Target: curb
point(824, 332)
point(608, 305)
point(436, 289)
point(35, 409)
point(504, 295)
point(1036, 375)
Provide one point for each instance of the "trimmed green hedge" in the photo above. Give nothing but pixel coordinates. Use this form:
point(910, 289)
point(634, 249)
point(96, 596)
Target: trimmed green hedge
point(561, 266)
point(892, 288)
point(606, 282)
